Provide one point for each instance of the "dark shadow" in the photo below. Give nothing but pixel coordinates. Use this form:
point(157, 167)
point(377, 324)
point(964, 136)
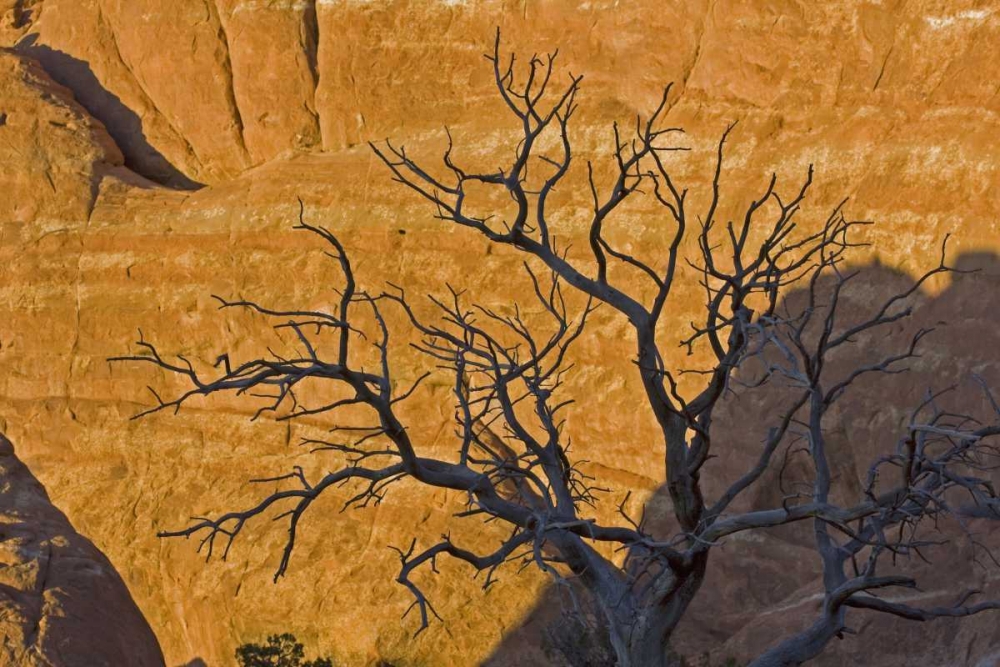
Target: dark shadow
point(762, 587)
point(197, 662)
point(22, 16)
point(123, 124)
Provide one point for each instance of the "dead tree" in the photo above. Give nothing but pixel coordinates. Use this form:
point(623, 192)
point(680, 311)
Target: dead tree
point(506, 378)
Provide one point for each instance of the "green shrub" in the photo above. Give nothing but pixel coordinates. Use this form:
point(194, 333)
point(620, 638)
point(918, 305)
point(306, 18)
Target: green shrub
point(279, 651)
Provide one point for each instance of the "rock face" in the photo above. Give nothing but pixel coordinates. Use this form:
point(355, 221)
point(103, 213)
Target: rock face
point(113, 113)
point(61, 602)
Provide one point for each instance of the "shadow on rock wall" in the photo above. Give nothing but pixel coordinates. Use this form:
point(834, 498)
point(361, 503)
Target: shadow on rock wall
point(123, 124)
point(766, 585)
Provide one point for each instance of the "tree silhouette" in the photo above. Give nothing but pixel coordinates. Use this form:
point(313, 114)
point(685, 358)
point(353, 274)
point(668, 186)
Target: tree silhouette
point(513, 459)
point(279, 651)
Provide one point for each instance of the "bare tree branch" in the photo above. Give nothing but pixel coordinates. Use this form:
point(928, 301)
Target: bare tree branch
point(513, 460)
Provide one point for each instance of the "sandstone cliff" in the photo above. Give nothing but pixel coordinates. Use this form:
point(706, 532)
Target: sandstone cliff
point(114, 112)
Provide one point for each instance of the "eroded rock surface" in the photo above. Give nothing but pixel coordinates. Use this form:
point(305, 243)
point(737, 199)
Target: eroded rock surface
point(114, 112)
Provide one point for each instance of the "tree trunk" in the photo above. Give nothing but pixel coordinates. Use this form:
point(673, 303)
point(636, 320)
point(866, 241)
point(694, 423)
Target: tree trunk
point(645, 640)
point(648, 650)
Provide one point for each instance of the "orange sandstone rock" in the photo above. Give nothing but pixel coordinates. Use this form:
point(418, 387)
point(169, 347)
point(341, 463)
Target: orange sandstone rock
point(266, 101)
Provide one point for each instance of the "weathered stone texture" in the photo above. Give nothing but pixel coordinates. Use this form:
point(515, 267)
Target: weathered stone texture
point(264, 101)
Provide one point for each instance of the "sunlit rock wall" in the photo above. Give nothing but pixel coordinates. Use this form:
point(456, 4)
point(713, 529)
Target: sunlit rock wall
point(114, 112)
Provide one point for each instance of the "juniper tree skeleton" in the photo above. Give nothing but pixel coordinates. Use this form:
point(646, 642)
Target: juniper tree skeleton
point(526, 477)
